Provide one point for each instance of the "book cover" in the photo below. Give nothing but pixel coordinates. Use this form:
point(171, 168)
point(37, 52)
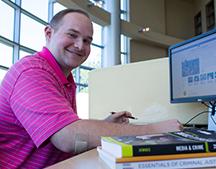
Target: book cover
point(180, 142)
point(192, 161)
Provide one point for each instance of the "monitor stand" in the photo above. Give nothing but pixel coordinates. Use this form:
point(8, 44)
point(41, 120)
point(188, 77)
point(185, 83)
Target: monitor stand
point(212, 117)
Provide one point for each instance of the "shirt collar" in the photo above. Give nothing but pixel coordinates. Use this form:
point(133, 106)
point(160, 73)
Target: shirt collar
point(45, 53)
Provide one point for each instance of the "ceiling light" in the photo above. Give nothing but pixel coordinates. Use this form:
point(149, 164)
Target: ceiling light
point(145, 29)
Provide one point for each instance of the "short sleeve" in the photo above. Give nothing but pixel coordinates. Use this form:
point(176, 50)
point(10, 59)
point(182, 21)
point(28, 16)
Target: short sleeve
point(40, 104)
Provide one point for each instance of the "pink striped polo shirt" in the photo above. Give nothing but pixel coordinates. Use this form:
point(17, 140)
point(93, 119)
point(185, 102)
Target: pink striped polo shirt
point(36, 100)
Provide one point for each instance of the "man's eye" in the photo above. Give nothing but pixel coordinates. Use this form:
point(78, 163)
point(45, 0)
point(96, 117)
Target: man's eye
point(72, 35)
point(86, 41)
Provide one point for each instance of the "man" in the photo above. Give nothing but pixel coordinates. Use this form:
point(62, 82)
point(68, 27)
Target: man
point(38, 121)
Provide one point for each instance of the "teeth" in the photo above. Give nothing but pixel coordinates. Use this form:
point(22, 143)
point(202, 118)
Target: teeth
point(69, 51)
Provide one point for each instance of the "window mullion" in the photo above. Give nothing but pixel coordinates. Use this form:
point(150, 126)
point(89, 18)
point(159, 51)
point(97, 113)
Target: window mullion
point(16, 37)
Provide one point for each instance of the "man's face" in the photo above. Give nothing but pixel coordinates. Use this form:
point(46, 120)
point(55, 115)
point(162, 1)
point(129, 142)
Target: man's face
point(70, 42)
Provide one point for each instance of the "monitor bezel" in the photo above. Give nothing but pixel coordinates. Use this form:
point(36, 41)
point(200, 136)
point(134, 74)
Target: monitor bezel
point(188, 99)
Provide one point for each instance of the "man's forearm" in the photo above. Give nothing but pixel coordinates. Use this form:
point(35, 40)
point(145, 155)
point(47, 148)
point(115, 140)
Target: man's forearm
point(83, 135)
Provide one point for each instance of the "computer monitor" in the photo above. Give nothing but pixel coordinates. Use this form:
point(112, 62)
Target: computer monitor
point(193, 70)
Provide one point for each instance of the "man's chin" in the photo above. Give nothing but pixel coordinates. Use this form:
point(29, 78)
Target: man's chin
point(74, 66)
point(74, 63)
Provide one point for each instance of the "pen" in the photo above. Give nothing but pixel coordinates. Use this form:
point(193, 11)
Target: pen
point(130, 117)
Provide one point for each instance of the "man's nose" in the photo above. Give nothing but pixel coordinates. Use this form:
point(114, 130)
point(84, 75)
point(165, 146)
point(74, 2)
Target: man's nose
point(79, 44)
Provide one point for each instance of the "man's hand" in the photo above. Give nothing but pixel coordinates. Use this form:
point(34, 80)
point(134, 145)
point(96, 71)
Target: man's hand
point(119, 117)
point(166, 126)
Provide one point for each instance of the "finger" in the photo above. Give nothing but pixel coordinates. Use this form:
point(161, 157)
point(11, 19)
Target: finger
point(123, 120)
point(128, 114)
point(117, 114)
point(178, 125)
point(126, 120)
point(123, 113)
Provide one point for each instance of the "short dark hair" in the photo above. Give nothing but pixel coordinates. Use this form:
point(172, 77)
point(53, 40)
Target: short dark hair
point(57, 18)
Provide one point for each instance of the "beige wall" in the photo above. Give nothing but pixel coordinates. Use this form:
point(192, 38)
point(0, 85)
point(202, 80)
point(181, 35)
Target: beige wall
point(148, 13)
point(200, 6)
point(169, 17)
point(143, 50)
point(142, 88)
point(179, 18)
point(174, 18)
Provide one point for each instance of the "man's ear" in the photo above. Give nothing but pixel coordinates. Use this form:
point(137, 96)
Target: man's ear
point(48, 32)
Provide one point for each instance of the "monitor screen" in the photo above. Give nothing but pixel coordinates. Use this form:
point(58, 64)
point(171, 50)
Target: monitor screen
point(193, 69)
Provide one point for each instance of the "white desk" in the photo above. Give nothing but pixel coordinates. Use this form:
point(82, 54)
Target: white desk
point(87, 160)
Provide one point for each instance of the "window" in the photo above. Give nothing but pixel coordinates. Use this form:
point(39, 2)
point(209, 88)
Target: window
point(198, 24)
point(3, 71)
point(38, 8)
point(28, 36)
point(57, 7)
point(99, 3)
point(124, 9)
point(23, 53)
point(210, 16)
point(124, 50)
point(31, 33)
point(6, 19)
point(22, 33)
point(124, 39)
point(6, 56)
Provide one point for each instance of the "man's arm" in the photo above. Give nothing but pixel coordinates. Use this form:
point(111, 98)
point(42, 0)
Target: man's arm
point(84, 135)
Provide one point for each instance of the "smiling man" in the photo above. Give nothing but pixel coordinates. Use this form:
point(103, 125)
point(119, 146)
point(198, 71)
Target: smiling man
point(39, 125)
point(69, 40)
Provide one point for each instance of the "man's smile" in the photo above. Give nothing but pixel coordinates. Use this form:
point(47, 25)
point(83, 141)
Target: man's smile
point(74, 52)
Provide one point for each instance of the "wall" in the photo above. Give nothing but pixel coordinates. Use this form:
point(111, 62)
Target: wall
point(148, 13)
point(169, 17)
point(148, 51)
point(142, 88)
point(174, 18)
point(200, 6)
point(180, 18)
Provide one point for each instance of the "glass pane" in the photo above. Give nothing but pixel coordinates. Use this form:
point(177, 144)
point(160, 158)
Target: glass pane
point(83, 89)
point(123, 59)
point(99, 3)
point(32, 33)
point(57, 8)
point(82, 105)
point(124, 10)
point(74, 73)
point(97, 34)
point(38, 8)
point(123, 44)
point(6, 56)
point(23, 54)
point(84, 76)
point(2, 74)
point(7, 20)
point(94, 59)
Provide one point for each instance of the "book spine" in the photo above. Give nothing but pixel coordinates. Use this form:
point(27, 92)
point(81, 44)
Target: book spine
point(212, 146)
point(170, 149)
point(170, 164)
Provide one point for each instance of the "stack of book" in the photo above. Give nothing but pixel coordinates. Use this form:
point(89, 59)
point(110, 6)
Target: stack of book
point(190, 148)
